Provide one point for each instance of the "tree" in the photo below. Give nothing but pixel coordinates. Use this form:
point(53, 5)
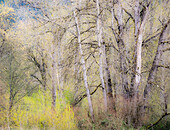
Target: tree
point(156, 62)
point(99, 39)
point(84, 67)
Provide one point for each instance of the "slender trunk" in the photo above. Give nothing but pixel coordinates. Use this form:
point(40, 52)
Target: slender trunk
point(139, 51)
point(112, 11)
point(44, 79)
point(137, 25)
point(111, 103)
point(43, 74)
point(54, 71)
point(99, 39)
point(139, 62)
point(76, 69)
point(10, 99)
point(156, 62)
point(60, 80)
point(11, 89)
point(54, 82)
point(122, 49)
point(84, 68)
point(59, 60)
point(137, 18)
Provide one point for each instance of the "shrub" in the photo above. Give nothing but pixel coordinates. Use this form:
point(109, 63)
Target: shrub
point(35, 112)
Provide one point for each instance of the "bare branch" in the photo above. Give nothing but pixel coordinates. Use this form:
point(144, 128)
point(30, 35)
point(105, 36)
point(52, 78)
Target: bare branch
point(80, 98)
point(166, 114)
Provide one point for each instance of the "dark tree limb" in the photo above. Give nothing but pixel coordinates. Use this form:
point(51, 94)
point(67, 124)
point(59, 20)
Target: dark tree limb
point(129, 15)
point(167, 49)
point(80, 98)
point(37, 79)
point(149, 39)
point(163, 66)
point(150, 126)
point(154, 68)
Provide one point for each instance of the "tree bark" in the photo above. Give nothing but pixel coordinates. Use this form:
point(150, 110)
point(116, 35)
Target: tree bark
point(139, 59)
point(10, 85)
point(54, 70)
point(111, 103)
point(84, 68)
point(139, 50)
point(155, 64)
point(137, 25)
point(60, 81)
point(122, 50)
point(99, 39)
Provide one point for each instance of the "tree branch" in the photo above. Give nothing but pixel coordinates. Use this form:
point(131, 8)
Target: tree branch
point(80, 98)
point(163, 66)
point(166, 114)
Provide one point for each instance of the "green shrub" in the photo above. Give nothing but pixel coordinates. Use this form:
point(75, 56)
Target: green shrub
point(35, 112)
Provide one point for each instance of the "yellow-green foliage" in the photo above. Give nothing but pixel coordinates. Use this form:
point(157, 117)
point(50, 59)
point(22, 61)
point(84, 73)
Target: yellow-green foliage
point(35, 112)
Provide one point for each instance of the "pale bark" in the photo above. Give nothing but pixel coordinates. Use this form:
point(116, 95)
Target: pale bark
point(120, 18)
point(84, 67)
point(59, 60)
point(76, 70)
point(137, 18)
point(137, 26)
point(99, 39)
point(54, 70)
point(139, 51)
point(57, 80)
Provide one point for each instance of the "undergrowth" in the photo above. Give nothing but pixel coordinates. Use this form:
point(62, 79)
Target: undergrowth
point(35, 112)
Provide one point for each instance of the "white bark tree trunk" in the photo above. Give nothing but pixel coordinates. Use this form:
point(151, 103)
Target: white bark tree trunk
point(137, 18)
point(99, 39)
point(139, 50)
point(139, 57)
point(137, 25)
point(84, 67)
point(54, 71)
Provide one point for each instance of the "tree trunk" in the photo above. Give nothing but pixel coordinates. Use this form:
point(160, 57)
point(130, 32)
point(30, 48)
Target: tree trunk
point(60, 80)
point(54, 70)
point(156, 62)
point(99, 39)
point(139, 51)
point(43, 73)
point(139, 62)
point(111, 103)
point(59, 60)
point(122, 50)
point(84, 68)
point(137, 25)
